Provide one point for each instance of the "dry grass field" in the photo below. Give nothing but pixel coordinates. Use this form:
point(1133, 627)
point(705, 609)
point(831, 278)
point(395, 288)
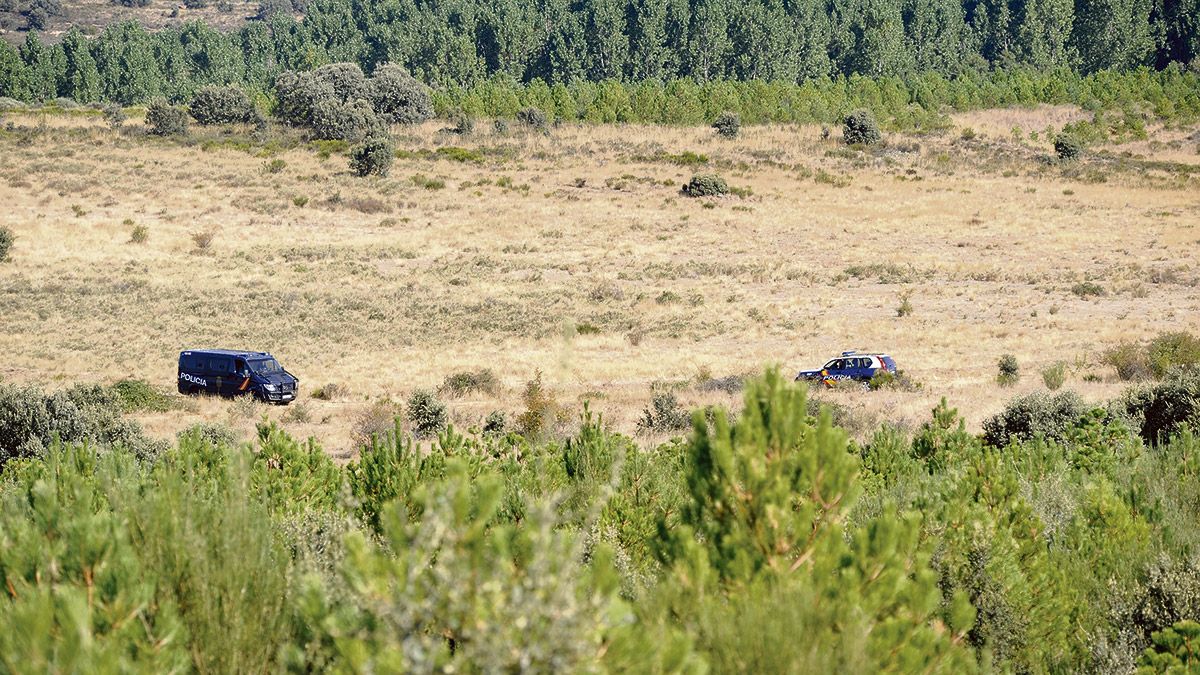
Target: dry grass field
point(574, 254)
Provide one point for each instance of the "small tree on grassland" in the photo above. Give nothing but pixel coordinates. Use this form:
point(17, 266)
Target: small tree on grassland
point(373, 156)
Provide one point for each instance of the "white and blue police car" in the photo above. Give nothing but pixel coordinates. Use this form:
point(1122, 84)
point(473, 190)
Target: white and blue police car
point(851, 365)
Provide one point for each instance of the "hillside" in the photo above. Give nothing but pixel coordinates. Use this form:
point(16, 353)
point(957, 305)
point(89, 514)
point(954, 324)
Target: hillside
point(574, 255)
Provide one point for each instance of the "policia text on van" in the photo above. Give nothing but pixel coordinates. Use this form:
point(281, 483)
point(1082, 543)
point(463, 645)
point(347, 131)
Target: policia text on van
point(233, 373)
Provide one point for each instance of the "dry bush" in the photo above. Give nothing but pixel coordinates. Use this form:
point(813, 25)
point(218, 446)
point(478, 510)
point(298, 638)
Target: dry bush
point(374, 421)
point(203, 239)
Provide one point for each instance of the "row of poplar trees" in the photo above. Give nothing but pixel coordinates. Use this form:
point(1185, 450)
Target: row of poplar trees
point(458, 42)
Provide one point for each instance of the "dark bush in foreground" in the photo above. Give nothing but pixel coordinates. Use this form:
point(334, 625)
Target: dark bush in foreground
point(706, 185)
point(860, 128)
point(1167, 408)
point(728, 125)
point(221, 105)
point(164, 119)
point(1067, 147)
point(6, 242)
point(373, 156)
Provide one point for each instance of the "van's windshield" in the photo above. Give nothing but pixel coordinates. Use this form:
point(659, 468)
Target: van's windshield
point(266, 366)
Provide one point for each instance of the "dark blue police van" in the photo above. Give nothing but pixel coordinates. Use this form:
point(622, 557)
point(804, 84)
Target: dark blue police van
point(232, 373)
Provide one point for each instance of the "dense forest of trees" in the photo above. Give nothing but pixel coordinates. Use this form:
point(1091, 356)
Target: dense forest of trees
point(462, 43)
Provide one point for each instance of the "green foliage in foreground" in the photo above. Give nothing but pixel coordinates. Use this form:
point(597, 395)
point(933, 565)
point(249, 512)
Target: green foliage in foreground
point(768, 542)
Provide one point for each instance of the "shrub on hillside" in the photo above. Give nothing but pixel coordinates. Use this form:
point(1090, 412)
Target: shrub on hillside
point(1169, 351)
point(1054, 376)
point(1156, 358)
point(728, 124)
point(346, 80)
point(373, 156)
point(221, 105)
point(269, 8)
point(664, 415)
point(6, 242)
point(542, 414)
point(30, 420)
point(463, 124)
point(164, 119)
point(215, 434)
point(376, 421)
point(1167, 408)
point(114, 115)
point(533, 118)
point(297, 93)
point(136, 395)
point(397, 97)
point(706, 185)
point(860, 128)
point(1050, 416)
point(1009, 371)
point(470, 381)
point(426, 415)
point(353, 121)
point(1130, 361)
point(1067, 147)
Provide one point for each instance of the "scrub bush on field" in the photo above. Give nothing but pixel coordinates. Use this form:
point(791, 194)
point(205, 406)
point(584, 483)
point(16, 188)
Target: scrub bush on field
point(706, 185)
point(221, 105)
point(728, 125)
point(114, 116)
point(398, 97)
point(163, 119)
point(534, 118)
point(373, 156)
point(664, 415)
point(136, 395)
point(1054, 376)
point(860, 128)
point(426, 415)
point(337, 102)
point(211, 433)
point(1156, 358)
point(543, 414)
point(31, 420)
point(1068, 147)
point(1038, 414)
point(482, 381)
point(6, 242)
point(1009, 371)
point(352, 121)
